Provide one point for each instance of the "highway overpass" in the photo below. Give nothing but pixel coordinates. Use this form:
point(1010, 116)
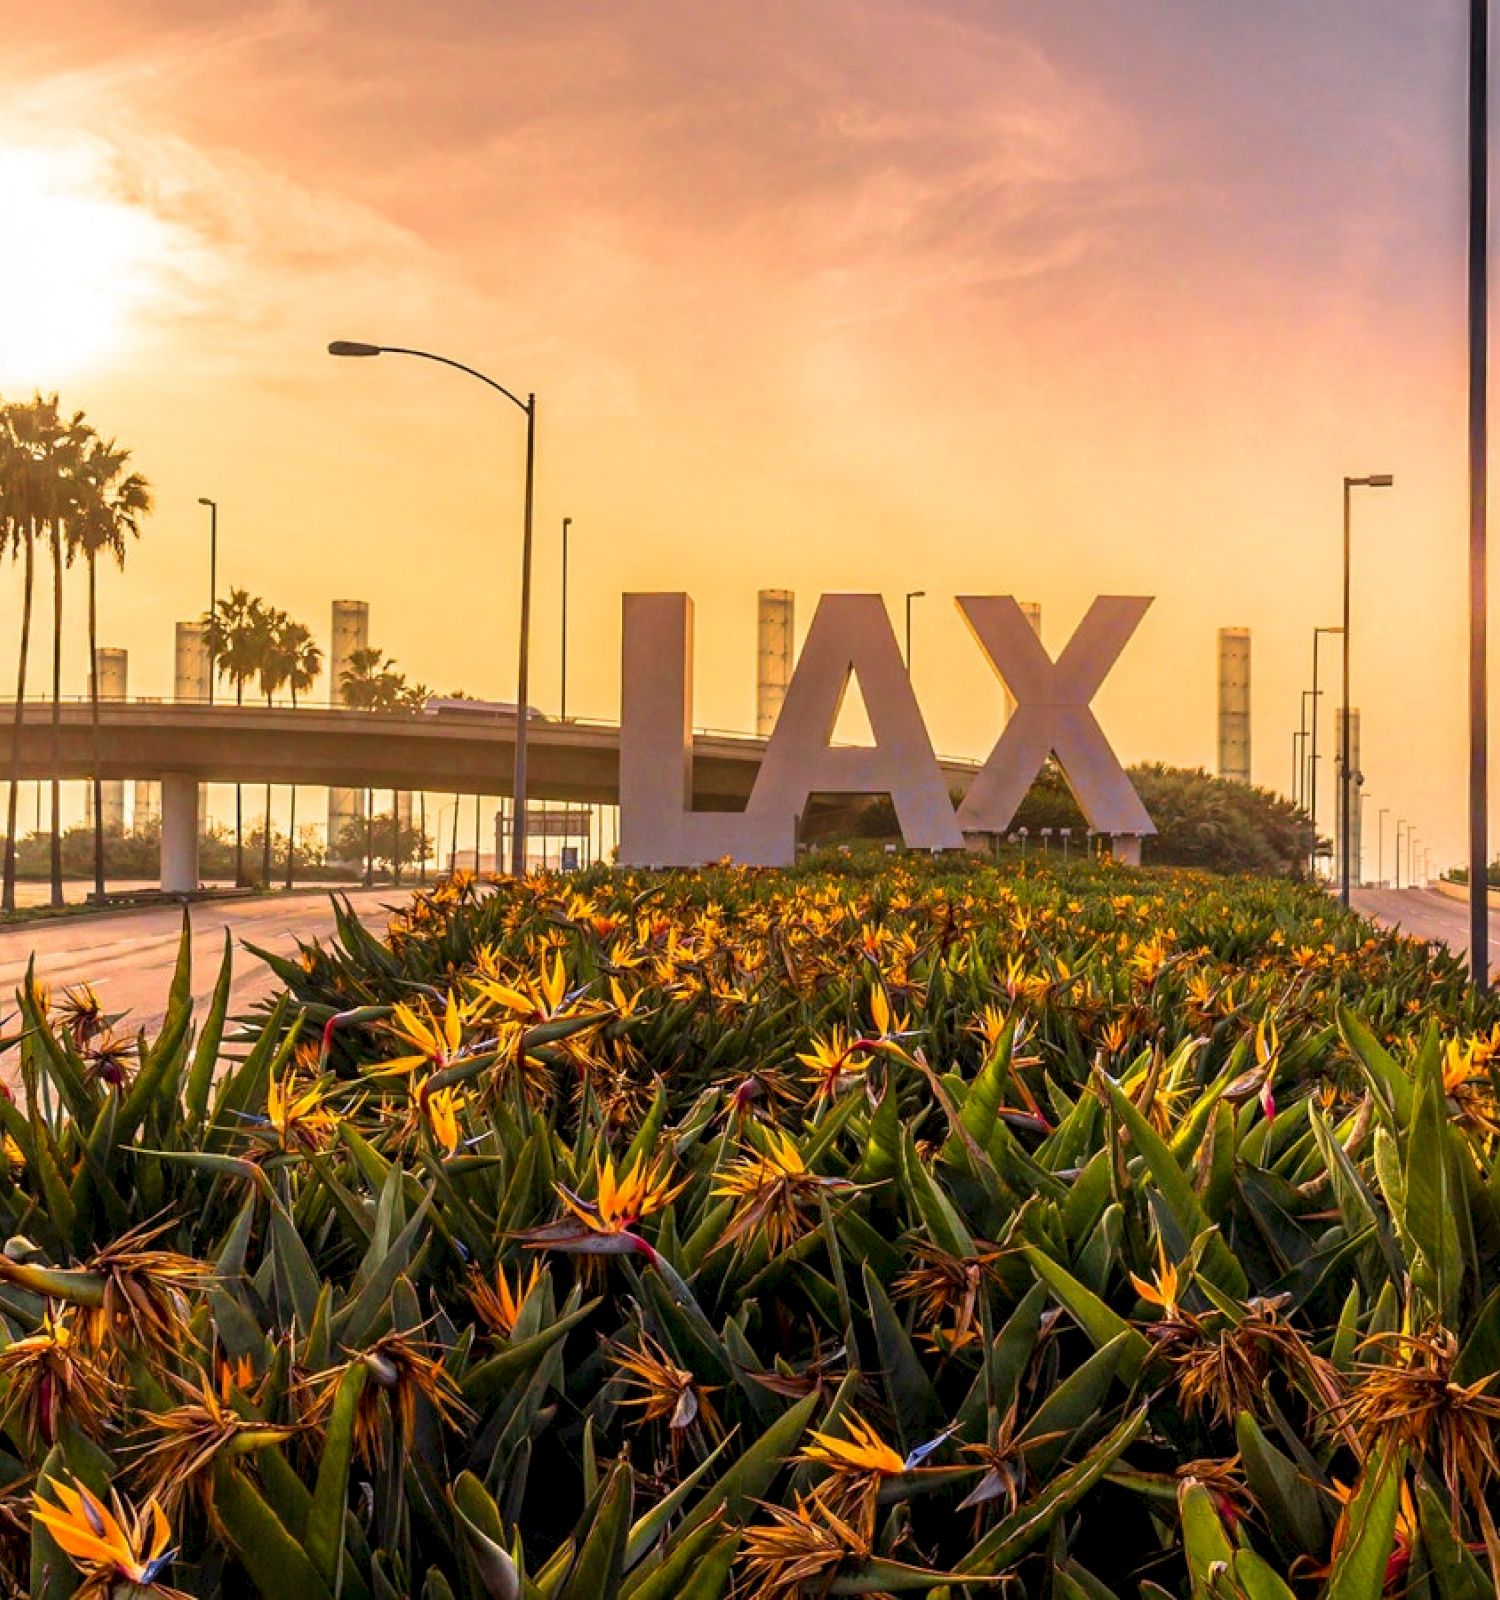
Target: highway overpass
point(182, 744)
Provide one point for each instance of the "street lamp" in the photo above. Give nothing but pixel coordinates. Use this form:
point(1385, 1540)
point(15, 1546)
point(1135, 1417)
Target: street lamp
point(567, 523)
point(1312, 781)
point(915, 594)
point(1376, 480)
point(213, 581)
point(1385, 811)
point(353, 347)
point(1299, 786)
point(1400, 824)
point(1479, 226)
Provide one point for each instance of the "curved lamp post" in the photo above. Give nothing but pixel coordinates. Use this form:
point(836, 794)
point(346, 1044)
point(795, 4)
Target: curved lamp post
point(914, 594)
point(352, 347)
point(1376, 480)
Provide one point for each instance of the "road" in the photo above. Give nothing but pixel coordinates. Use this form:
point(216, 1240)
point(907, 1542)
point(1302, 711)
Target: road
point(128, 956)
point(1426, 914)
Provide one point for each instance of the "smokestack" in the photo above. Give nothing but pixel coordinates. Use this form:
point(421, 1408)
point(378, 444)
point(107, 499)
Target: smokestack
point(350, 632)
point(190, 668)
point(110, 669)
point(773, 656)
point(1234, 704)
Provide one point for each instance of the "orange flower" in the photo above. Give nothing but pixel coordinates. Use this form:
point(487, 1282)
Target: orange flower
point(107, 1543)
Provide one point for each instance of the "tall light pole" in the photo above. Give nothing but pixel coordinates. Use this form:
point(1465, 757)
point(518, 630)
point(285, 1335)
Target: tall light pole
point(1313, 758)
point(914, 594)
point(213, 580)
point(566, 524)
point(1376, 480)
point(1385, 811)
point(1479, 317)
point(352, 347)
point(1400, 824)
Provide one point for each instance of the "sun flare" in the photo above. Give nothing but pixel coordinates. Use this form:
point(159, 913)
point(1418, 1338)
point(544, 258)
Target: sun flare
point(81, 265)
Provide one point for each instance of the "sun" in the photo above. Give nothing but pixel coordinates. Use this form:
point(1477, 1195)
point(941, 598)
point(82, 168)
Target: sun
point(80, 268)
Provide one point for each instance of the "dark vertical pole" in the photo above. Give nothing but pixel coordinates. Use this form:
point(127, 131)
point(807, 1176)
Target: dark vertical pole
point(1345, 788)
point(1312, 760)
point(213, 582)
point(567, 523)
point(1479, 218)
point(523, 674)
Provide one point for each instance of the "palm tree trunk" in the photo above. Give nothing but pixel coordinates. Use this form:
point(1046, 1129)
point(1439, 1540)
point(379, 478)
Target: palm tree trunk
point(422, 825)
point(291, 826)
point(239, 809)
point(396, 835)
point(57, 605)
point(369, 837)
point(265, 851)
point(94, 730)
point(12, 822)
point(453, 854)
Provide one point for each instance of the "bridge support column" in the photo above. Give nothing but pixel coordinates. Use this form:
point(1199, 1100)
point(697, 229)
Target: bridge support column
point(179, 833)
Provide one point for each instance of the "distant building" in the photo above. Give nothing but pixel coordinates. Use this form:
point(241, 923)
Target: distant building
point(110, 668)
point(774, 649)
point(1234, 704)
point(350, 632)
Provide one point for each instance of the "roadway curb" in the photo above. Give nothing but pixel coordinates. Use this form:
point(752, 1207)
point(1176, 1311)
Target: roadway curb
point(1460, 892)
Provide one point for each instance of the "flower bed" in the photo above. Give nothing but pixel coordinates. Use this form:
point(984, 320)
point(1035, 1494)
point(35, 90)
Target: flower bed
point(897, 1228)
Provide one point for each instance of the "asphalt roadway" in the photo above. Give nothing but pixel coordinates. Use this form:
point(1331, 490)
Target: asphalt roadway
point(129, 956)
point(1426, 914)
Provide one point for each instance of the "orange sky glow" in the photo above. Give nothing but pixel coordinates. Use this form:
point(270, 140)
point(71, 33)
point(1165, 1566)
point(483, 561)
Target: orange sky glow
point(1044, 297)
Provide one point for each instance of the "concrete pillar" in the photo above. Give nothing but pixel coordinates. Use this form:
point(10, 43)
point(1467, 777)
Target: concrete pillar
point(1032, 611)
point(774, 648)
point(190, 677)
point(179, 833)
point(1234, 704)
point(1126, 849)
point(350, 632)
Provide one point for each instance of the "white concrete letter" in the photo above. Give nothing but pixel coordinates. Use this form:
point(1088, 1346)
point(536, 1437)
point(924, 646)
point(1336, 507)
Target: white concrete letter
point(851, 634)
point(1052, 715)
point(658, 828)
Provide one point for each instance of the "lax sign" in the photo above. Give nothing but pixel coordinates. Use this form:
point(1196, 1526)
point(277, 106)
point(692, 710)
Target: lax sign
point(852, 634)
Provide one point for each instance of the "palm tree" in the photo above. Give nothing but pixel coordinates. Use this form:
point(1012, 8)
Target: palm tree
point(111, 506)
point(17, 537)
point(271, 668)
point(233, 634)
point(304, 661)
point(59, 447)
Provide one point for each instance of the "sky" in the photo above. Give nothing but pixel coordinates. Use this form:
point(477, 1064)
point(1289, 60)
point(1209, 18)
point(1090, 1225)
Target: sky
point(1042, 297)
